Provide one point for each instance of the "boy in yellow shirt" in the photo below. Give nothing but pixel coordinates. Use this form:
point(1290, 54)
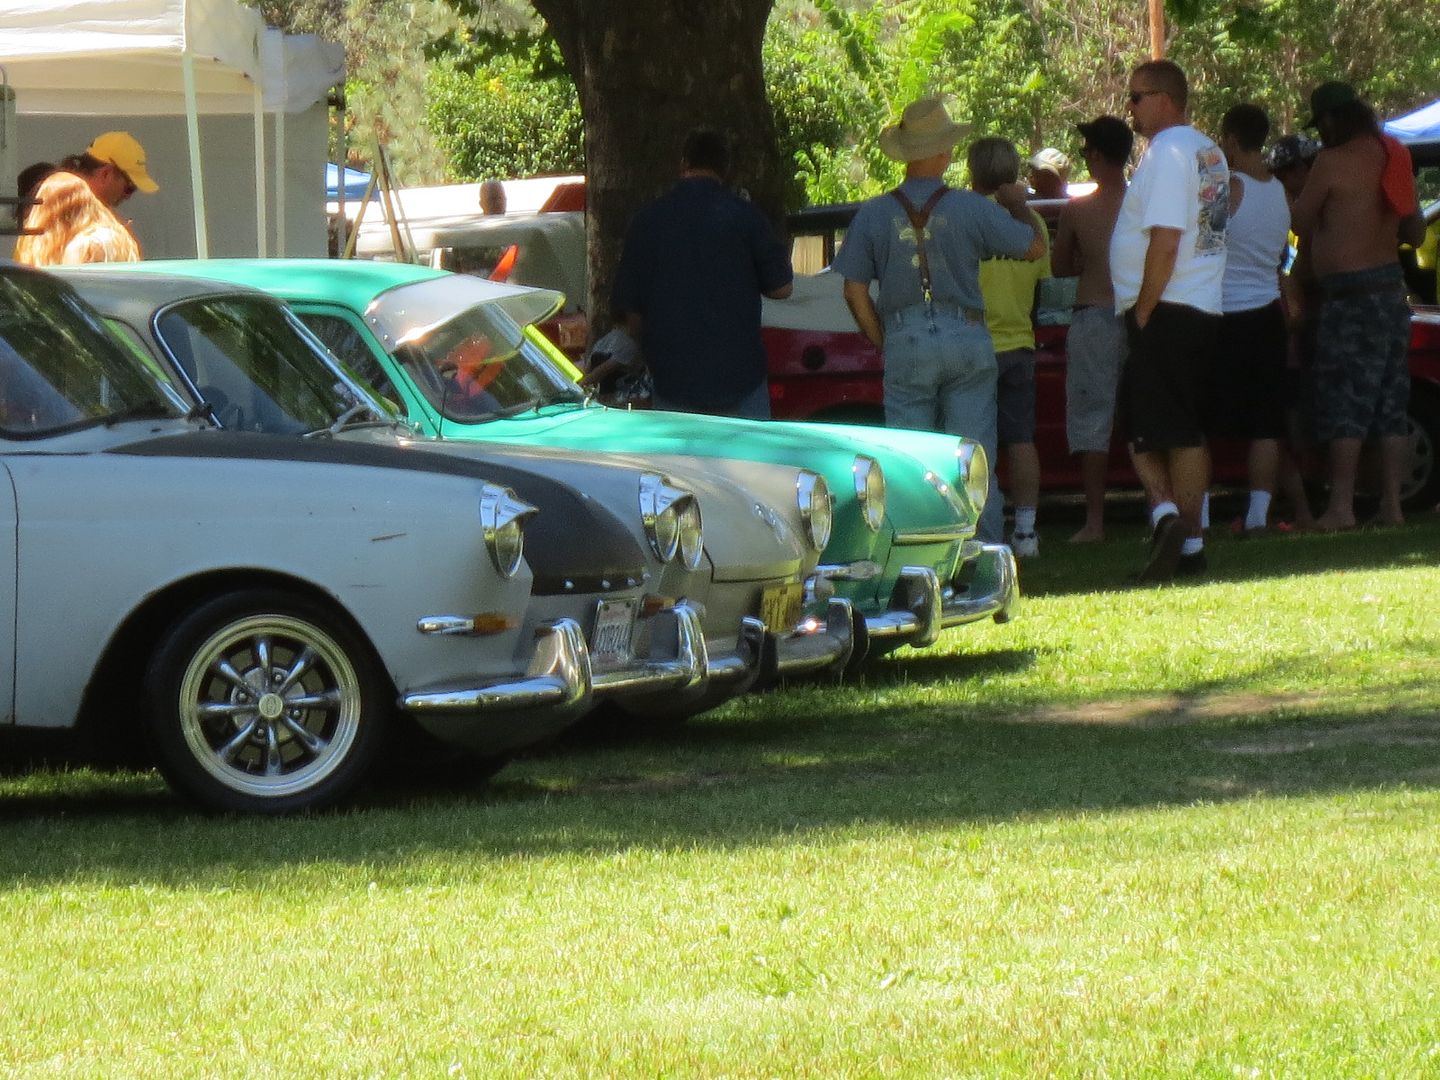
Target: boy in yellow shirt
point(1009, 288)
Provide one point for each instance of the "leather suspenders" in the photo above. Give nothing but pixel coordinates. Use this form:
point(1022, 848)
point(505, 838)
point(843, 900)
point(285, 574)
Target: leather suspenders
point(918, 220)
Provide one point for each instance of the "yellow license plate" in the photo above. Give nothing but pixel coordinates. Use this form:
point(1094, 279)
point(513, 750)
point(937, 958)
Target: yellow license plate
point(781, 606)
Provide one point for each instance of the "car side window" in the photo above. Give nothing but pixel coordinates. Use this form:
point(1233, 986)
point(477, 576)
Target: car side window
point(341, 337)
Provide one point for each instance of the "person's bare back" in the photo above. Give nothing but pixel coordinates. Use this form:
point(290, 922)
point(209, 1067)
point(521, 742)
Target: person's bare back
point(1342, 214)
point(1082, 244)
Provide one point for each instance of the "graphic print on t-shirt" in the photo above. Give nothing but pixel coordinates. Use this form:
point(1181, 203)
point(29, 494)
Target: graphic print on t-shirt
point(1214, 201)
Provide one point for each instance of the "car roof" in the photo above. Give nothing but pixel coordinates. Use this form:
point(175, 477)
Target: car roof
point(355, 282)
point(133, 297)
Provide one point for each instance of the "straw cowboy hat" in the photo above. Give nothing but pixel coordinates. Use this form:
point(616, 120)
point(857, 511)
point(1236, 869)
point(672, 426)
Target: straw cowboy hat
point(924, 130)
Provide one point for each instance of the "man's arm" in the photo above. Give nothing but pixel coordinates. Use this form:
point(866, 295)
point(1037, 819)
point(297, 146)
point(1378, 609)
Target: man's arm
point(1067, 260)
point(1412, 228)
point(1012, 198)
point(783, 292)
point(1159, 265)
point(862, 309)
point(1305, 211)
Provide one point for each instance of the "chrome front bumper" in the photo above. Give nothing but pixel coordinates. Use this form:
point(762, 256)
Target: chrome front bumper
point(814, 646)
point(491, 715)
point(985, 584)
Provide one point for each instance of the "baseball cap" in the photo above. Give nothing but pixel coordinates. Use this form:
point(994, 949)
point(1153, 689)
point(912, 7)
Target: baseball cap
point(1051, 160)
point(1110, 135)
point(124, 151)
point(1328, 96)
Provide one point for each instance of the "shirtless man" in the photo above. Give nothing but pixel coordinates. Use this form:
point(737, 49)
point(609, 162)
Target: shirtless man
point(1095, 347)
point(1348, 218)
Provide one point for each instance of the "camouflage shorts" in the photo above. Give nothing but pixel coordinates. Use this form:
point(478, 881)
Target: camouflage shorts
point(1360, 379)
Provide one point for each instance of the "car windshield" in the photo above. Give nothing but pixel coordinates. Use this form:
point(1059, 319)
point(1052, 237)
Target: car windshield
point(472, 359)
point(60, 367)
point(259, 369)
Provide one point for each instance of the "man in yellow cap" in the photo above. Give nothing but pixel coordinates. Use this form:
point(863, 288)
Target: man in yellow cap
point(75, 211)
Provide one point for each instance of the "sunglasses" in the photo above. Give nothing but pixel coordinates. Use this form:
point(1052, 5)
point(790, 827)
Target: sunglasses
point(1137, 95)
point(130, 187)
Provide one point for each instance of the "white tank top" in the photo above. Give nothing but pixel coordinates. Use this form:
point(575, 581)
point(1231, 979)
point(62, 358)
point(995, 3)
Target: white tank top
point(1258, 232)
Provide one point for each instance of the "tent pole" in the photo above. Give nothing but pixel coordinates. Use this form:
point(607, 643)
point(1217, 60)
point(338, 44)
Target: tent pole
point(282, 247)
point(197, 182)
point(262, 224)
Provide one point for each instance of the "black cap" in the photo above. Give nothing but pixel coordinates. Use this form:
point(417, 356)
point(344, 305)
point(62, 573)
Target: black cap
point(1327, 97)
point(1110, 135)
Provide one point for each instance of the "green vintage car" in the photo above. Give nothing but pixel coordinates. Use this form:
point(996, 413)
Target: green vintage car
point(463, 358)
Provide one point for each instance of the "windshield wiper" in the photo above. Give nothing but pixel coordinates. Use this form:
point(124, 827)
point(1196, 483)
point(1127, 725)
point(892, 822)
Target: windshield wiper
point(145, 410)
point(343, 420)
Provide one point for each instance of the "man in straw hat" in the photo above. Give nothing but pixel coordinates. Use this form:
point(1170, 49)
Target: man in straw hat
point(923, 243)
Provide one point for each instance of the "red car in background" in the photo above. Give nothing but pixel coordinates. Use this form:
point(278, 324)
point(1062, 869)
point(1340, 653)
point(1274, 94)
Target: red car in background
point(821, 368)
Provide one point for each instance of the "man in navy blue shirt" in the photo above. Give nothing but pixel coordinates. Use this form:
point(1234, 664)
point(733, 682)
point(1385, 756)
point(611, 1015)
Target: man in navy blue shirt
point(696, 262)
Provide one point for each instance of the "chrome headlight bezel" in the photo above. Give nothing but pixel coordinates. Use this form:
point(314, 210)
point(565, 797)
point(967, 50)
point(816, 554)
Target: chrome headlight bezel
point(502, 519)
point(661, 506)
point(812, 494)
point(869, 490)
point(692, 534)
point(972, 472)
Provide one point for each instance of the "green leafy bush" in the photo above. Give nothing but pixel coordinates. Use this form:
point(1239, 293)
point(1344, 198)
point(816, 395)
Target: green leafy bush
point(500, 119)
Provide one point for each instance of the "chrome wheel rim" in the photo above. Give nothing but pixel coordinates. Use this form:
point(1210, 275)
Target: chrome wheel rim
point(1422, 461)
point(270, 705)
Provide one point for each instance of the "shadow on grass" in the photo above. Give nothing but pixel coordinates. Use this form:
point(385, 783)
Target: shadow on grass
point(1110, 566)
point(759, 773)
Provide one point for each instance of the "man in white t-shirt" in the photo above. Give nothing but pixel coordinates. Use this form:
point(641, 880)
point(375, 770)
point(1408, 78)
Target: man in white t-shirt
point(1167, 261)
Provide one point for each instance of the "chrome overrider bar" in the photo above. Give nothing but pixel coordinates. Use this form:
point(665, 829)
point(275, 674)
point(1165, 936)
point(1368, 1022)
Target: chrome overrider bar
point(678, 660)
point(985, 585)
point(814, 644)
point(554, 689)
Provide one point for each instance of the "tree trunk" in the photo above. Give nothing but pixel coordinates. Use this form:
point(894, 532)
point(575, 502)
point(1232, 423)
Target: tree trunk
point(648, 71)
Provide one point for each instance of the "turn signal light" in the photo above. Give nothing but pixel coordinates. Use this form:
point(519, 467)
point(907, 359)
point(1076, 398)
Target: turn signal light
point(653, 604)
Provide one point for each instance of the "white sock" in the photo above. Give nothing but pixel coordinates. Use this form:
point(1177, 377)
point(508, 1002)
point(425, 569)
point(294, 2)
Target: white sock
point(1163, 510)
point(1259, 512)
point(1024, 520)
point(1205, 511)
point(1192, 546)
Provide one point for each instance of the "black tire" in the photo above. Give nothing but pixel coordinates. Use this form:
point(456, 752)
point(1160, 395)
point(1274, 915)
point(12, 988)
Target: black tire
point(302, 743)
point(1420, 488)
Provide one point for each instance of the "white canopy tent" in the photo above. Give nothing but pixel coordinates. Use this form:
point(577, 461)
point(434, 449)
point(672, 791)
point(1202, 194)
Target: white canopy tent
point(140, 65)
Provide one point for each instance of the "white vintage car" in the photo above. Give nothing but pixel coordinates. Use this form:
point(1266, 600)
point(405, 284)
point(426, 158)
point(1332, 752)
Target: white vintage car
point(256, 611)
point(239, 355)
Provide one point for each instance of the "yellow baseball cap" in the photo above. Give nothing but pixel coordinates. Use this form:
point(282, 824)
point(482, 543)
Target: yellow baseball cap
point(124, 151)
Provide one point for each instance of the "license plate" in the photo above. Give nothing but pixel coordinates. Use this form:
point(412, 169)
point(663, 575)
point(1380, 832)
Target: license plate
point(614, 628)
point(781, 606)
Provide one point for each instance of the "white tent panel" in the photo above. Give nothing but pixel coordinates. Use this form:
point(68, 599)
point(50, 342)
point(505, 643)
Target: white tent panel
point(103, 56)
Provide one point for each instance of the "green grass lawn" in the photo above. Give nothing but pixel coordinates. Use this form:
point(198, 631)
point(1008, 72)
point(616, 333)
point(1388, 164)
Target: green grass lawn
point(1137, 832)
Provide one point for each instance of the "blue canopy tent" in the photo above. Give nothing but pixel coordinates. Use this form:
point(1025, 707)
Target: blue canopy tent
point(355, 183)
point(1420, 126)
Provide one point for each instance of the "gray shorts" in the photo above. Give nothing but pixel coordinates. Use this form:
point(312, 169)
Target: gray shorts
point(1095, 354)
point(1015, 396)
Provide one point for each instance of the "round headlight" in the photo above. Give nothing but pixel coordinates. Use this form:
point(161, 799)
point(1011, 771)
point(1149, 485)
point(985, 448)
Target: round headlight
point(502, 516)
point(660, 508)
point(870, 490)
point(813, 496)
point(974, 472)
point(692, 538)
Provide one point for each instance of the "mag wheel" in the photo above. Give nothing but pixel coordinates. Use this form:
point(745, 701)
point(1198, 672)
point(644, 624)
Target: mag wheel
point(260, 702)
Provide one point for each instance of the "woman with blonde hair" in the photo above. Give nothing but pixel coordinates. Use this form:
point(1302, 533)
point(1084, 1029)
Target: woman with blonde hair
point(73, 227)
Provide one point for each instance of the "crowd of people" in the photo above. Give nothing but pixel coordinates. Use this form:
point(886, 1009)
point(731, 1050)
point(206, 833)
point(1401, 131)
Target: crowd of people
point(1189, 321)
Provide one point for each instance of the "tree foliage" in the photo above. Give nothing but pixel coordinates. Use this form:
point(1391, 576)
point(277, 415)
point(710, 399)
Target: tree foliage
point(504, 114)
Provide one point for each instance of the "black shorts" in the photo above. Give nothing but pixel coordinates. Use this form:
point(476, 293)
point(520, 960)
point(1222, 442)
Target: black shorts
point(1248, 384)
point(1166, 377)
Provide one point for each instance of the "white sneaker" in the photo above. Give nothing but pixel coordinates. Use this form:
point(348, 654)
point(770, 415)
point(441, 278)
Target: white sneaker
point(1025, 545)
